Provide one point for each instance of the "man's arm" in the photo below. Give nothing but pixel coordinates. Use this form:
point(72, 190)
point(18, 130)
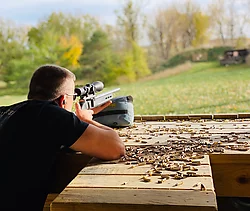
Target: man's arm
point(98, 140)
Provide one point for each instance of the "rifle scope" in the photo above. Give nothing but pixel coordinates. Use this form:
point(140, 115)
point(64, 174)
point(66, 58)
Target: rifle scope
point(89, 89)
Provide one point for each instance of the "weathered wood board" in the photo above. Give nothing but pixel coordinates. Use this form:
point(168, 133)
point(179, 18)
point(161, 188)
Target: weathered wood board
point(231, 174)
point(122, 187)
point(121, 169)
point(100, 199)
point(49, 200)
point(129, 181)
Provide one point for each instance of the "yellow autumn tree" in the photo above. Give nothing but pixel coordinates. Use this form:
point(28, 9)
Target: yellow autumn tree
point(201, 25)
point(72, 50)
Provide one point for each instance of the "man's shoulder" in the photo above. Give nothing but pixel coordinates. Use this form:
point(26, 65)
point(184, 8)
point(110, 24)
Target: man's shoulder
point(29, 105)
point(25, 102)
point(12, 106)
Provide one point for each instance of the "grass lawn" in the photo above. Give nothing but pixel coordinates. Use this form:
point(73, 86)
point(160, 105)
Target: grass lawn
point(203, 88)
point(7, 100)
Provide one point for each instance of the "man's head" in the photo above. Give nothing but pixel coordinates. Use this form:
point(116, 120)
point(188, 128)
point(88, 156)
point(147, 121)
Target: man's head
point(55, 83)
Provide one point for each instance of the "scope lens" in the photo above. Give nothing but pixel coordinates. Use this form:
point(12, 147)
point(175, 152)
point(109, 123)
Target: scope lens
point(98, 86)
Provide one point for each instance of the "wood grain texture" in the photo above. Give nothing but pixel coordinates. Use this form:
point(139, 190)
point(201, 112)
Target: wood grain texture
point(60, 175)
point(201, 116)
point(231, 180)
point(134, 181)
point(225, 116)
point(153, 118)
point(49, 200)
point(123, 169)
point(244, 115)
point(133, 199)
point(230, 157)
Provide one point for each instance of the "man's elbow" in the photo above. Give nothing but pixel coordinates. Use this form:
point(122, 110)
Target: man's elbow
point(118, 150)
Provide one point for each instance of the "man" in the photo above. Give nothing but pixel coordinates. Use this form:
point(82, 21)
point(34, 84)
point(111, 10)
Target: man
point(33, 131)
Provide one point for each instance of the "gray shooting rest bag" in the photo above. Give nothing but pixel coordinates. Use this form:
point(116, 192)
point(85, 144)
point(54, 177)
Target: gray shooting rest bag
point(119, 114)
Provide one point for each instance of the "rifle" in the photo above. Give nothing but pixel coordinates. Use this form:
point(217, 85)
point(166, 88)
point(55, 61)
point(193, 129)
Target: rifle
point(88, 97)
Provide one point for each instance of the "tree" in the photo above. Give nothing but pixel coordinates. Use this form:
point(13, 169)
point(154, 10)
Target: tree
point(201, 23)
point(163, 32)
point(236, 22)
point(177, 27)
point(81, 26)
point(19, 72)
point(130, 21)
point(101, 62)
point(13, 44)
point(140, 62)
point(94, 53)
point(217, 14)
point(71, 55)
point(60, 39)
point(187, 26)
point(229, 21)
point(232, 20)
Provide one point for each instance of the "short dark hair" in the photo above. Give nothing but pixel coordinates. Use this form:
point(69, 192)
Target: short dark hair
point(47, 82)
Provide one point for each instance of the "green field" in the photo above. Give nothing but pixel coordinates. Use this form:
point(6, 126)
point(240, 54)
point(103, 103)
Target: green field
point(203, 88)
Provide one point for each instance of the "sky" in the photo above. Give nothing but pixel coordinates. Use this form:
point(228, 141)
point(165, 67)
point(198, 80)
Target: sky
point(30, 12)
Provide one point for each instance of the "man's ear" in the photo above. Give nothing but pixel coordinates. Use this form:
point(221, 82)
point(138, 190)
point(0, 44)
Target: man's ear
point(62, 101)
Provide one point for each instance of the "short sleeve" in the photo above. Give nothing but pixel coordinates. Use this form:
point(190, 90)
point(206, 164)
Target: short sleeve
point(63, 126)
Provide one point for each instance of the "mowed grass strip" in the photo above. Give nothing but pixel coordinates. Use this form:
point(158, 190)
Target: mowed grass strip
point(203, 88)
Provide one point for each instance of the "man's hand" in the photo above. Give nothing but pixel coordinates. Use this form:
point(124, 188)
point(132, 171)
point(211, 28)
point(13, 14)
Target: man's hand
point(101, 107)
point(98, 140)
point(87, 115)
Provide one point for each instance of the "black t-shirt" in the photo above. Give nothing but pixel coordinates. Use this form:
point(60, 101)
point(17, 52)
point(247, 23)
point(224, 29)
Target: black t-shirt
point(31, 133)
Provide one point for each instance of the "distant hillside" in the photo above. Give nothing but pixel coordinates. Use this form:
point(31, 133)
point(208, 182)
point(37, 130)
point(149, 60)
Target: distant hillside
point(197, 55)
point(169, 71)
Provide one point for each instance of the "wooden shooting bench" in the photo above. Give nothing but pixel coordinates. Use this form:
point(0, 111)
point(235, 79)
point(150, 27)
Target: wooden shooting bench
point(207, 157)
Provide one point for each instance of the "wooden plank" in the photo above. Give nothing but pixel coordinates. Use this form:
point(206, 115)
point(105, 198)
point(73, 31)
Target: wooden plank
point(134, 181)
point(176, 117)
point(49, 200)
point(152, 118)
point(137, 118)
point(122, 169)
point(176, 130)
point(186, 128)
point(231, 179)
point(244, 115)
point(134, 200)
point(227, 131)
point(224, 123)
point(225, 116)
point(200, 116)
point(175, 136)
point(167, 137)
point(60, 175)
point(230, 157)
point(206, 141)
point(231, 174)
point(222, 116)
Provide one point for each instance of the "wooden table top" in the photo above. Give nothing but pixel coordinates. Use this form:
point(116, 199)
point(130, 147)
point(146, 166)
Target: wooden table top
point(112, 186)
point(221, 147)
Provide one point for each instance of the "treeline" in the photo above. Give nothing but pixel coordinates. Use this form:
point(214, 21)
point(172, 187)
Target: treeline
point(114, 54)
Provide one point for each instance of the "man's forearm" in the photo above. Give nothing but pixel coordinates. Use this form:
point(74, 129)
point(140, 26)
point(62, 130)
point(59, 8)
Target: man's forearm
point(97, 124)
